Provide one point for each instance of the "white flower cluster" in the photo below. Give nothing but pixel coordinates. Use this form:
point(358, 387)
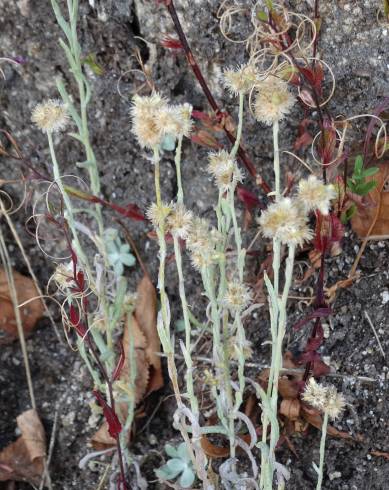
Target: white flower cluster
point(154, 120)
point(287, 219)
point(324, 398)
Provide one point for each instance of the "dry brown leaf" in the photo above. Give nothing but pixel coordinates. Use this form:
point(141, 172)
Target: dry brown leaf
point(142, 363)
point(213, 451)
point(24, 459)
point(30, 313)
point(375, 217)
point(146, 316)
point(314, 418)
point(102, 439)
point(290, 408)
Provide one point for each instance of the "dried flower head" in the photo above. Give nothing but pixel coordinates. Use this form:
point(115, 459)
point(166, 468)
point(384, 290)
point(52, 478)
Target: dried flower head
point(145, 112)
point(241, 79)
point(315, 394)
point(237, 348)
point(175, 120)
point(159, 214)
point(179, 221)
point(201, 259)
point(334, 404)
point(198, 236)
point(314, 194)
point(237, 297)
point(224, 170)
point(273, 100)
point(202, 241)
point(63, 275)
point(324, 398)
point(286, 221)
point(50, 116)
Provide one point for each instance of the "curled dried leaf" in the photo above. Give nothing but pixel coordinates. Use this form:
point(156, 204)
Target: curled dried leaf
point(24, 459)
point(30, 313)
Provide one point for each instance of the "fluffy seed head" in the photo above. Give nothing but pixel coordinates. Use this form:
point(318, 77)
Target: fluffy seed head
point(286, 221)
point(50, 116)
point(324, 398)
point(335, 403)
point(314, 194)
point(273, 100)
point(315, 394)
point(237, 297)
point(159, 214)
point(202, 241)
point(224, 170)
point(179, 221)
point(144, 114)
point(237, 348)
point(174, 120)
point(241, 79)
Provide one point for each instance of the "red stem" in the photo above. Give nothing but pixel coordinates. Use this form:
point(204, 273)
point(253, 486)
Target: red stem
point(207, 92)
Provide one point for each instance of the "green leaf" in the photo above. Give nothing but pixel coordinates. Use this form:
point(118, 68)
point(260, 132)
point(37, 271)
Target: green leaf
point(187, 478)
point(176, 465)
point(348, 214)
point(269, 4)
point(183, 452)
point(261, 15)
point(364, 189)
point(358, 165)
point(91, 61)
point(370, 171)
point(170, 450)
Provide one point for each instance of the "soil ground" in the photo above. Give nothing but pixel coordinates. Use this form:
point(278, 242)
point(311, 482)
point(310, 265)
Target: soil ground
point(355, 46)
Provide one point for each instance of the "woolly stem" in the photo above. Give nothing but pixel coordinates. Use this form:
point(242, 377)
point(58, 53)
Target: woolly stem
point(235, 148)
point(177, 161)
point(322, 450)
point(276, 162)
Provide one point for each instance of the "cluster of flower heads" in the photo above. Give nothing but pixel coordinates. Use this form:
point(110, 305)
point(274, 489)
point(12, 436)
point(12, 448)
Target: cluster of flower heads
point(153, 120)
point(201, 239)
point(50, 116)
point(287, 218)
point(224, 170)
point(324, 398)
point(273, 100)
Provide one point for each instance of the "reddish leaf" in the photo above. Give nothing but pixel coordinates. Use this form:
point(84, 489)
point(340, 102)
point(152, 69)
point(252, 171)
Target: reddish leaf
point(329, 230)
point(320, 368)
point(170, 42)
point(205, 138)
point(74, 316)
point(81, 280)
point(114, 425)
point(249, 199)
point(318, 313)
point(75, 320)
point(315, 343)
